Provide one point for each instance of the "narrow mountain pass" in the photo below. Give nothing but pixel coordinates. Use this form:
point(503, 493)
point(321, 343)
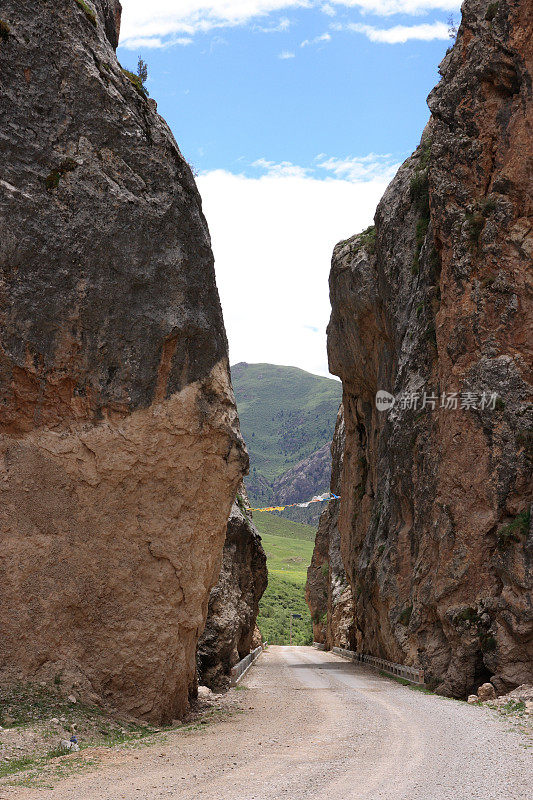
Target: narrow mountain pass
point(315, 726)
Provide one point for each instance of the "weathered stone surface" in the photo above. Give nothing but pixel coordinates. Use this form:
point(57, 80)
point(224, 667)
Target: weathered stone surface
point(234, 601)
point(436, 536)
point(486, 692)
point(308, 478)
point(328, 592)
point(120, 453)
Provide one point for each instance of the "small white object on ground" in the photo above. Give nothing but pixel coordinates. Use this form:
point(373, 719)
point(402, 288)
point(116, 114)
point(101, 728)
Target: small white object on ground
point(72, 699)
point(66, 745)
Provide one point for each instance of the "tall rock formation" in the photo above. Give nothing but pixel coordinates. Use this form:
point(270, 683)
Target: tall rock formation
point(120, 451)
point(234, 601)
point(435, 520)
point(328, 592)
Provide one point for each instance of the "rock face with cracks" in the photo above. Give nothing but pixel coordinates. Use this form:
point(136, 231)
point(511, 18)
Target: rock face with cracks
point(234, 601)
point(435, 522)
point(328, 592)
point(120, 451)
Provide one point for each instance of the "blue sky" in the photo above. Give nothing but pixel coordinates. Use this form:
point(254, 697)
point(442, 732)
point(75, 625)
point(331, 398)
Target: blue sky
point(295, 114)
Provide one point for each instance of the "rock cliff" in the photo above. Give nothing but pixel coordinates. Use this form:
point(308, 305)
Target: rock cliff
point(234, 601)
point(328, 592)
point(120, 451)
point(433, 305)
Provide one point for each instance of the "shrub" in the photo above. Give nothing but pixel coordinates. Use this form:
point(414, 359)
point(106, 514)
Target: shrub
point(467, 614)
point(512, 532)
point(324, 569)
point(491, 11)
point(366, 239)
point(419, 191)
point(89, 13)
point(136, 82)
point(488, 642)
point(475, 223)
point(420, 236)
point(405, 616)
point(52, 180)
point(5, 30)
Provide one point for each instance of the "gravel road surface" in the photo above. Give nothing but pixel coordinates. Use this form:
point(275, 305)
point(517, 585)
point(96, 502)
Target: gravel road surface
point(315, 726)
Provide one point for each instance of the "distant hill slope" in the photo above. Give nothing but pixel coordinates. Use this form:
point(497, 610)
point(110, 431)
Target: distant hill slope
point(288, 546)
point(287, 419)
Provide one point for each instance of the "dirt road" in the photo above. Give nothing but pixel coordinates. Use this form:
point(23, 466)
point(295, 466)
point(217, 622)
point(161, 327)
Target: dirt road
point(315, 726)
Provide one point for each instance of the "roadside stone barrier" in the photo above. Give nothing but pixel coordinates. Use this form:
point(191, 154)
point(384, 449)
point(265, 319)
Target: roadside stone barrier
point(411, 674)
point(240, 669)
point(319, 645)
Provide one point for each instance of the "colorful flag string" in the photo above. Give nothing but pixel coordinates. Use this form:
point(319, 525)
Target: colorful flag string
point(322, 498)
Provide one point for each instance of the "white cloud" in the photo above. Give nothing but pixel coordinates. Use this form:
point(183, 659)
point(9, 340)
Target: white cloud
point(283, 25)
point(326, 37)
point(155, 42)
point(160, 18)
point(273, 237)
point(154, 21)
point(362, 168)
point(399, 34)
point(285, 169)
point(385, 8)
point(285, 54)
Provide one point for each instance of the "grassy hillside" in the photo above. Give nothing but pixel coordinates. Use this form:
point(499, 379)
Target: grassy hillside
point(288, 558)
point(286, 414)
point(271, 524)
point(289, 547)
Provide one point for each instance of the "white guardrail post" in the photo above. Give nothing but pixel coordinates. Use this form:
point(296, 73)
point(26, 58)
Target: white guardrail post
point(411, 674)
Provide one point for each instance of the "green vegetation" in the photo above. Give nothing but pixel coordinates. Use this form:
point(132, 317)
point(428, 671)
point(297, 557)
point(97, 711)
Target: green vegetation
point(512, 532)
point(142, 70)
point(286, 414)
point(475, 220)
point(5, 30)
point(270, 524)
point(52, 180)
point(367, 239)
point(289, 547)
point(491, 11)
point(281, 599)
point(513, 707)
point(415, 686)
point(89, 13)
point(467, 614)
point(136, 82)
point(288, 558)
point(420, 236)
point(405, 616)
point(419, 192)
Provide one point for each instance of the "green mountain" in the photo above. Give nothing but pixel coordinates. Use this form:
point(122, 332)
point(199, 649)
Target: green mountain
point(287, 420)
